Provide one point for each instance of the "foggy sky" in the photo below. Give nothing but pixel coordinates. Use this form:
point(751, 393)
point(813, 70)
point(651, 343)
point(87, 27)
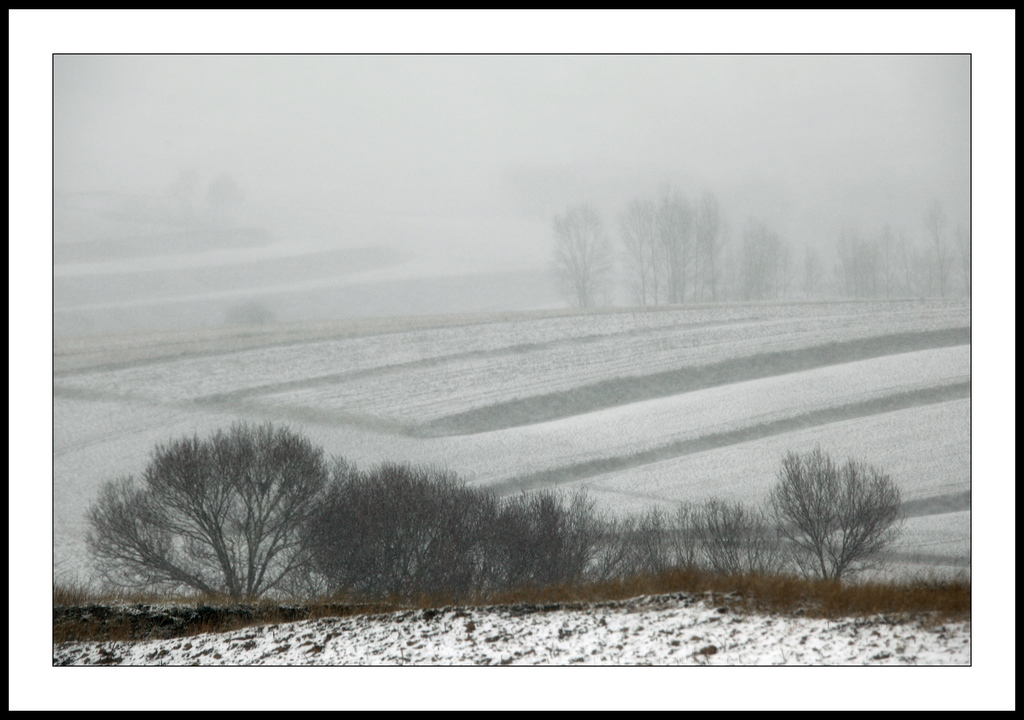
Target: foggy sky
point(455, 164)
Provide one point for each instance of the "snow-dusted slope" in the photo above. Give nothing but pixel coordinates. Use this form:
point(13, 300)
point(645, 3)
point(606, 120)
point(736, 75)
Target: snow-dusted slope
point(374, 394)
point(675, 629)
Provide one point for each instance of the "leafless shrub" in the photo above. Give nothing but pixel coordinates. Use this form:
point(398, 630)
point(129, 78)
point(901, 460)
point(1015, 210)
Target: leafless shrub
point(647, 543)
point(399, 531)
point(733, 538)
point(837, 518)
point(542, 539)
point(683, 539)
point(219, 516)
point(645, 539)
point(609, 553)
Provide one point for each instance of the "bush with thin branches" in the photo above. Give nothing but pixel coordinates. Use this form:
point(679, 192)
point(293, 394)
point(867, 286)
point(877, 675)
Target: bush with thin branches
point(258, 510)
point(406, 532)
point(731, 538)
point(399, 531)
point(837, 518)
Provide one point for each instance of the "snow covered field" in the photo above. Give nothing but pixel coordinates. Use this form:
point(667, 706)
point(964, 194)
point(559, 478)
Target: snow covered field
point(914, 445)
point(365, 392)
point(676, 629)
point(111, 409)
point(420, 375)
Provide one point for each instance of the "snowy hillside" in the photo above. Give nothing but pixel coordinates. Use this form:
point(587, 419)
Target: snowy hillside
point(674, 629)
point(642, 408)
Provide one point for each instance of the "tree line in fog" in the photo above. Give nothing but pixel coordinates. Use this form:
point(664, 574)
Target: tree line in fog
point(672, 250)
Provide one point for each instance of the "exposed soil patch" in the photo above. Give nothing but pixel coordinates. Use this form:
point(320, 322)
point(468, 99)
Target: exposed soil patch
point(154, 622)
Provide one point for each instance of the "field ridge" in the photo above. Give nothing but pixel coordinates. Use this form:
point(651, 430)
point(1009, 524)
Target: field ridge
point(678, 448)
point(627, 390)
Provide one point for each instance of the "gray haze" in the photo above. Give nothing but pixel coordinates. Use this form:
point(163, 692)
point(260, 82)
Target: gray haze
point(194, 190)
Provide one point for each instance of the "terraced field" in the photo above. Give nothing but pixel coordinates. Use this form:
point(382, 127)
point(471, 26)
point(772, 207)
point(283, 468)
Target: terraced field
point(643, 408)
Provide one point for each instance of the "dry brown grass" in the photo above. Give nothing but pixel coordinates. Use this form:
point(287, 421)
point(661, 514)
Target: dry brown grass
point(76, 593)
point(104, 617)
point(783, 594)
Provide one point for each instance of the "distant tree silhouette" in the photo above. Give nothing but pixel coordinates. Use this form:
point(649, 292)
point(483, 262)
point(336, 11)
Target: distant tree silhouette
point(764, 263)
point(637, 229)
point(582, 254)
point(935, 224)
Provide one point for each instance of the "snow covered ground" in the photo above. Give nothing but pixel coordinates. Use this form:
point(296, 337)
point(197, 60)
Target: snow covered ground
point(926, 449)
point(674, 629)
point(416, 660)
point(434, 659)
point(355, 391)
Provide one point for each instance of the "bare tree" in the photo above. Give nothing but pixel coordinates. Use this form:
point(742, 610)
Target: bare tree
point(838, 518)
point(757, 261)
point(708, 247)
point(637, 228)
point(582, 254)
point(675, 224)
point(221, 516)
point(935, 224)
point(782, 270)
point(858, 264)
point(913, 280)
point(763, 265)
point(732, 272)
point(812, 271)
point(887, 256)
point(963, 256)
